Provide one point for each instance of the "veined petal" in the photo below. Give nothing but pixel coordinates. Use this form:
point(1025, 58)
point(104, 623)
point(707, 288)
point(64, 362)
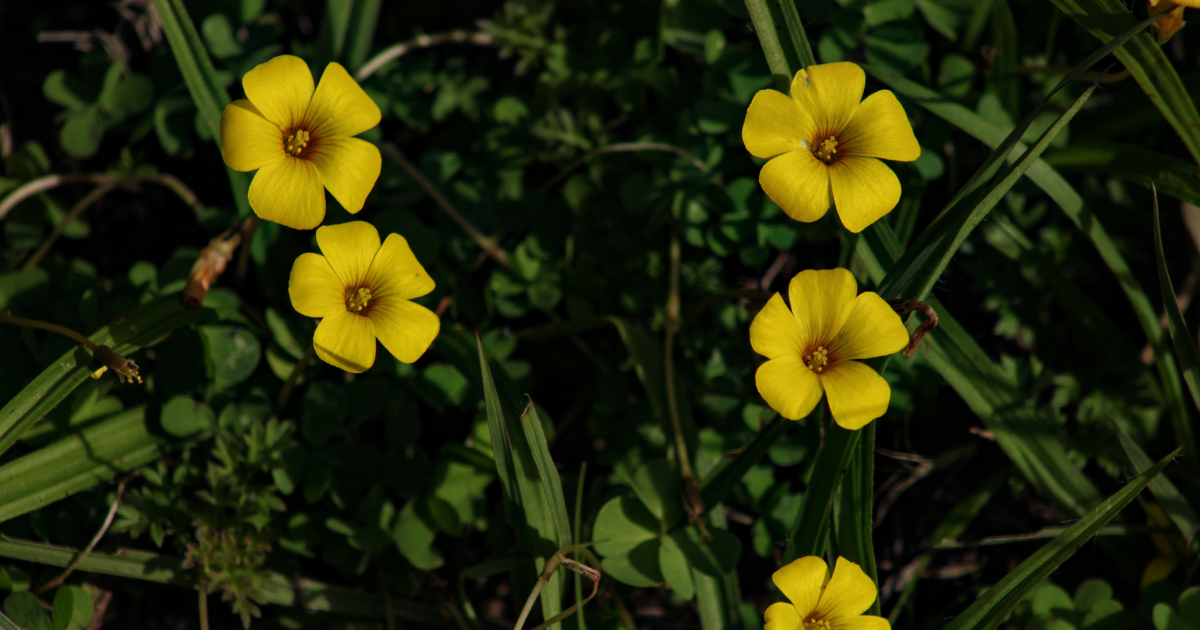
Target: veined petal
point(872, 329)
point(782, 616)
point(349, 248)
point(249, 141)
point(349, 168)
point(280, 89)
point(346, 340)
point(799, 183)
point(340, 107)
point(857, 395)
point(314, 288)
point(862, 622)
point(395, 271)
point(775, 332)
point(830, 93)
point(822, 300)
point(880, 129)
point(848, 594)
point(788, 386)
point(289, 193)
point(801, 581)
point(775, 124)
point(405, 328)
point(864, 190)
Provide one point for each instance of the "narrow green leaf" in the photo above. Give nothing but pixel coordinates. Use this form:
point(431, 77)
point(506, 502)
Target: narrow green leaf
point(768, 37)
point(856, 510)
point(1170, 499)
point(994, 604)
point(1188, 358)
point(73, 608)
point(280, 589)
point(1145, 60)
point(143, 325)
point(722, 481)
point(1173, 177)
point(808, 533)
point(551, 484)
point(1007, 57)
point(795, 29)
point(362, 32)
point(7, 624)
point(75, 463)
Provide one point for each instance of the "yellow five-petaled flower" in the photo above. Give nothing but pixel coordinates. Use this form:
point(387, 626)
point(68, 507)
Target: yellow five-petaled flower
point(299, 140)
point(820, 601)
point(815, 347)
point(362, 291)
point(823, 143)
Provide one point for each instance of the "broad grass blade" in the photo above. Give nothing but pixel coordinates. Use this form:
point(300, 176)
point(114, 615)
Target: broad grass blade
point(856, 514)
point(1189, 359)
point(720, 483)
point(1172, 177)
point(994, 605)
point(145, 324)
point(808, 534)
point(1170, 499)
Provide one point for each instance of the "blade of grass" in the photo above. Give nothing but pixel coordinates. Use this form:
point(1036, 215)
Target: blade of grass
point(722, 481)
point(1188, 358)
point(808, 534)
point(1170, 499)
point(1005, 74)
point(76, 463)
point(362, 32)
point(856, 514)
point(1173, 177)
point(144, 325)
point(991, 608)
point(1145, 60)
point(795, 29)
point(782, 70)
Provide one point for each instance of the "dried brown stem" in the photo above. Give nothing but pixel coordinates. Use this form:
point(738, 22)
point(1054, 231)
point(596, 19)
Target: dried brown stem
point(395, 51)
point(48, 182)
point(904, 307)
point(112, 513)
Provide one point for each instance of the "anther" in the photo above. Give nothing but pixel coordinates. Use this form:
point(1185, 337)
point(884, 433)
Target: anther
point(358, 300)
point(296, 142)
point(826, 151)
point(817, 360)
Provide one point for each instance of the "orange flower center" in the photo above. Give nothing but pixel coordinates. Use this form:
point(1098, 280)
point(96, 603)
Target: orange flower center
point(295, 142)
point(816, 361)
point(816, 624)
point(827, 151)
point(358, 300)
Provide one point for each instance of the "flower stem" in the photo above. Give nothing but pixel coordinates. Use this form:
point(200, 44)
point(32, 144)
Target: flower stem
point(8, 318)
point(286, 392)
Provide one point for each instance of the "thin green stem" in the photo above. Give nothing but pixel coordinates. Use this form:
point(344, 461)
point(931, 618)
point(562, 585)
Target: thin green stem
point(768, 37)
point(578, 537)
point(6, 318)
point(791, 17)
point(286, 392)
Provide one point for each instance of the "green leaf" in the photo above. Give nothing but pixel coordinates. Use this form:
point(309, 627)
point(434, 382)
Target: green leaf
point(994, 604)
point(855, 518)
point(73, 608)
point(1173, 177)
point(57, 89)
point(25, 609)
point(80, 136)
point(145, 324)
point(7, 624)
point(1170, 499)
point(77, 462)
point(233, 353)
point(722, 481)
point(182, 417)
point(657, 484)
point(637, 567)
point(622, 524)
point(715, 556)
point(218, 33)
point(414, 539)
point(808, 533)
point(675, 569)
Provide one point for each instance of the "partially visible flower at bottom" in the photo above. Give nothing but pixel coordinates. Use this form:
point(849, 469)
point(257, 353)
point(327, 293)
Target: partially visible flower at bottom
point(820, 601)
point(362, 291)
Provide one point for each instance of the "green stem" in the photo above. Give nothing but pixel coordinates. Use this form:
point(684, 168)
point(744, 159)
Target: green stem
point(768, 36)
point(795, 28)
point(6, 318)
point(809, 532)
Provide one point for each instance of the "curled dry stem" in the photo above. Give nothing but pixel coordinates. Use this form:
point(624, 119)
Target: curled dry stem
point(906, 306)
point(112, 513)
point(395, 51)
point(559, 559)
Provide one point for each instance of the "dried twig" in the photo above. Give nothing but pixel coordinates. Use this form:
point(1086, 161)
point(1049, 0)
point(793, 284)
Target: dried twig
point(904, 307)
point(395, 51)
point(112, 513)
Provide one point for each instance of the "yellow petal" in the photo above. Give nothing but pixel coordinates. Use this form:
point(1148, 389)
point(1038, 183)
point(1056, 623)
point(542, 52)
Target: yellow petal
point(880, 129)
point(801, 581)
point(1159, 569)
point(822, 300)
point(280, 89)
point(395, 271)
point(346, 340)
point(872, 329)
point(775, 331)
point(849, 592)
point(405, 328)
point(775, 124)
point(798, 183)
point(829, 93)
point(864, 190)
point(314, 289)
point(340, 107)
point(782, 616)
point(349, 168)
point(788, 386)
point(863, 622)
point(249, 141)
point(349, 248)
point(289, 193)
point(857, 395)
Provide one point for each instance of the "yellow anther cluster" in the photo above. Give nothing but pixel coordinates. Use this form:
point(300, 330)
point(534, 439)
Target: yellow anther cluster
point(816, 624)
point(358, 300)
point(296, 142)
point(827, 149)
point(817, 360)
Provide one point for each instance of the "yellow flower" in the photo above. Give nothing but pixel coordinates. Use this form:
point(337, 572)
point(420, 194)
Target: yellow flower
point(823, 144)
point(1166, 27)
point(299, 141)
point(814, 347)
point(362, 291)
point(1170, 547)
point(818, 601)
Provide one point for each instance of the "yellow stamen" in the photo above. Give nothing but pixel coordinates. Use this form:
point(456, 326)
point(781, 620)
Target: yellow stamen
point(816, 624)
point(817, 360)
point(358, 300)
point(296, 142)
point(826, 151)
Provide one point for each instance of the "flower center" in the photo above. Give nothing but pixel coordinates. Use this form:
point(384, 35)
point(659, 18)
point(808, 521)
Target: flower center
point(816, 624)
point(826, 151)
point(295, 143)
point(816, 361)
point(358, 300)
